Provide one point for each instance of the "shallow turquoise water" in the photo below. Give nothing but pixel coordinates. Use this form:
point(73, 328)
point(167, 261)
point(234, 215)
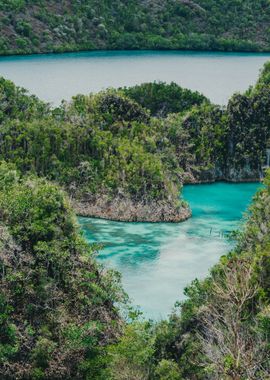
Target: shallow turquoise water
point(157, 261)
point(57, 77)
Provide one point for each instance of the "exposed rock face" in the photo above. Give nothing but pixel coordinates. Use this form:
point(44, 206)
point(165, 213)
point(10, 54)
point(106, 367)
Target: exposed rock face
point(126, 210)
point(245, 174)
point(232, 174)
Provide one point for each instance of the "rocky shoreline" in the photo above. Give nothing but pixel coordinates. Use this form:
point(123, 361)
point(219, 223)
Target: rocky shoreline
point(218, 175)
point(126, 210)
point(228, 180)
point(122, 209)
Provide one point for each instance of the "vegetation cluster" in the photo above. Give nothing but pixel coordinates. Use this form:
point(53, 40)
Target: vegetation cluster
point(57, 306)
point(61, 314)
point(140, 143)
point(222, 330)
point(104, 144)
point(39, 26)
point(58, 315)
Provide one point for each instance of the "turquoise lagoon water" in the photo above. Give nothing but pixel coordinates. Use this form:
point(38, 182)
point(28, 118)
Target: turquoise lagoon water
point(158, 261)
point(56, 77)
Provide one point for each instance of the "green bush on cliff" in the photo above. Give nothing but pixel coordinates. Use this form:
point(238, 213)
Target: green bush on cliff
point(161, 98)
point(17, 104)
point(57, 310)
point(97, 144)
point(110, 144)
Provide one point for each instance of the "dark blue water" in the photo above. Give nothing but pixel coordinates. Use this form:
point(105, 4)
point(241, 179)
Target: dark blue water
point(157, 261)
point(60, 76)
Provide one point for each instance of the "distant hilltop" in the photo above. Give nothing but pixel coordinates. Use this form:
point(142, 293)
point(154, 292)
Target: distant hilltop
point(31, 26)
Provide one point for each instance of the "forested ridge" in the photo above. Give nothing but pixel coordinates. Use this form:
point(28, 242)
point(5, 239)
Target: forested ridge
point(58, 318)
point(222, 330)
point(103, 149)
point(57, 307)
point(124, 154)
point(38, 26)
point(62, 316)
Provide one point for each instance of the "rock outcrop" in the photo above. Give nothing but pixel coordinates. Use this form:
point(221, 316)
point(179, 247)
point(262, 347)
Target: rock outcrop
point(126, 210)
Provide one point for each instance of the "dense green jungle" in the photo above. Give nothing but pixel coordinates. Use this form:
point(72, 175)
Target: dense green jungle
point(39, 26)
point(62, 315)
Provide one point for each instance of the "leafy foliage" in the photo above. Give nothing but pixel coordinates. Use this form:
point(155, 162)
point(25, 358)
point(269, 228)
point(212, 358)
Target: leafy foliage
point(58, 315)
point(222, 329)
point(104, 143)
point(109, 143)
point(43, 26)
point(57, 308)
point(162, 99)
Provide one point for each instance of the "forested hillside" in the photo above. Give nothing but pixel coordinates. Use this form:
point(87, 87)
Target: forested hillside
point(222, 330)
point(106, 150)
point(38, 26)
point(57, 307)
point(124, 154)
point(58, 315)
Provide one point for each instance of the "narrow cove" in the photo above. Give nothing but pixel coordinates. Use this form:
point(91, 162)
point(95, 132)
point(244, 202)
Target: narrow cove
point(157, 261)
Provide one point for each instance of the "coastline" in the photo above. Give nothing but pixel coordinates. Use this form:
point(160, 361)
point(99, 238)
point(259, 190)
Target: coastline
point(56, 52)
point(235, 181)
point(125, 210)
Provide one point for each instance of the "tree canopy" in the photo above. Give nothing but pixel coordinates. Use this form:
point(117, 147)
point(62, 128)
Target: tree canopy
point(38, 26)
point(58, 309)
